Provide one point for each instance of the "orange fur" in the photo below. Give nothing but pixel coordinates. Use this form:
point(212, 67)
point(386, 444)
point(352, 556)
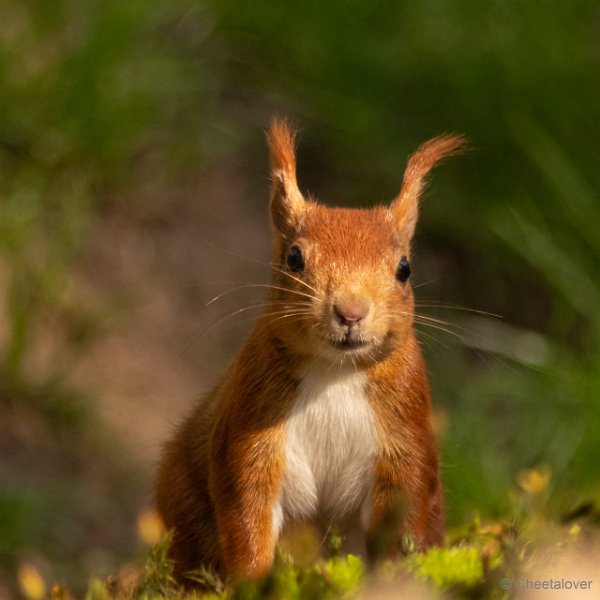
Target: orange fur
point(286, 200)
point(221, 480)
point(281, 139)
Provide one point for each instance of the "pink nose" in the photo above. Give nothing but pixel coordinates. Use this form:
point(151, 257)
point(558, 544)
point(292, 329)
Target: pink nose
point(351, 310)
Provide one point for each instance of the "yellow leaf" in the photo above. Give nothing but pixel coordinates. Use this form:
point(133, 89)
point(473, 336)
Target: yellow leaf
point(575, 530)
point(150, 527)
point(534, 481)
point(31, 583)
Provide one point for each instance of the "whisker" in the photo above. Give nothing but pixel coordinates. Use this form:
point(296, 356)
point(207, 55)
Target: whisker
point(424, 283)
point(433, 320)
point(290, 308)
point(434, 304)
point(259, 285)
point(471, 338)
point(288, 316)
point(459, 336)
point(231, 253)
point(278, 268)
point(446, 330)
point(430, 338)
point(275, 266)
point(463, 339)
point(425, 319)
point(196, 335)
point(288, 312)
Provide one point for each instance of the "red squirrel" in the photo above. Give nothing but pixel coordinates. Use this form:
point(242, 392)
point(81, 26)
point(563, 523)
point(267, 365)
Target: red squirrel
point(324, 416)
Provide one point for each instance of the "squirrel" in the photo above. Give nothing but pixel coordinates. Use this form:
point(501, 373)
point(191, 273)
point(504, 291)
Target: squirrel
point(324, 416)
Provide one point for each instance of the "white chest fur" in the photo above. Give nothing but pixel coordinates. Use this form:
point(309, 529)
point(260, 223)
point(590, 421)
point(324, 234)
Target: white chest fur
point(330, 449)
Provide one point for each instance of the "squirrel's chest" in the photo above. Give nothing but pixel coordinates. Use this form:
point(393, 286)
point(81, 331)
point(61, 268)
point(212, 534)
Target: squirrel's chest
point(330, 448)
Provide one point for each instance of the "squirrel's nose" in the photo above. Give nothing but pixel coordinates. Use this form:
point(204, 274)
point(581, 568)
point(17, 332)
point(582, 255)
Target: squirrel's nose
point(351, 310)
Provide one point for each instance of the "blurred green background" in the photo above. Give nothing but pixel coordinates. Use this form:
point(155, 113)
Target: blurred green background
point(133, 188)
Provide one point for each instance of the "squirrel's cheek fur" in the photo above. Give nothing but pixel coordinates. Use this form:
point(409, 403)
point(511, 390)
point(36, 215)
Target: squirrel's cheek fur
point(324, 415)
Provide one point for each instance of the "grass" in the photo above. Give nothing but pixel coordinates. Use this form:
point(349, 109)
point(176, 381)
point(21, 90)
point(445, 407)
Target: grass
point(482, 560)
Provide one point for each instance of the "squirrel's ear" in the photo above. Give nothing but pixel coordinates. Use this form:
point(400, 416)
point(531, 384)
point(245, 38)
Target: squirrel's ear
point(405, 207)
point(287, 203)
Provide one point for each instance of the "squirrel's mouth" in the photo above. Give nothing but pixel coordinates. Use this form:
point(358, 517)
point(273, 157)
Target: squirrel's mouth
point(349, 342)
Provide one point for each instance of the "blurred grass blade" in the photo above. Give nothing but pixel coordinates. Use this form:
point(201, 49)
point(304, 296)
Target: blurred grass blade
point(578, 199)
point(546, 255)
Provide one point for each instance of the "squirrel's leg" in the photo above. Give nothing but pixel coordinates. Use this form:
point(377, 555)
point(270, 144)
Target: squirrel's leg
point(244, 490)
point(408, 499)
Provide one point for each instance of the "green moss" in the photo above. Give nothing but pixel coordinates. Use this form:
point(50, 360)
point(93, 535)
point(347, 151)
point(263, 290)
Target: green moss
point(339, 577)
point(472, 565)
point(449, 566)
point(346, 574)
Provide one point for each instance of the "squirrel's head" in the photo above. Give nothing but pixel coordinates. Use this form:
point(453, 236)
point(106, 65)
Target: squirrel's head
point(341, 278)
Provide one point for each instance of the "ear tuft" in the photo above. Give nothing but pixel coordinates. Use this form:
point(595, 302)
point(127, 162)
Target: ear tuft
point(287, 203)
point(281, 138)
point(406, 206)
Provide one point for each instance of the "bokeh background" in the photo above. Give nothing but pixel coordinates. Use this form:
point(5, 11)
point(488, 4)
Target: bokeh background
point(134, 187)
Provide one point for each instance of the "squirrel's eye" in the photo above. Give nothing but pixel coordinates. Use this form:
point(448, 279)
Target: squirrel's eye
point(403, 271)
point(295, 260)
